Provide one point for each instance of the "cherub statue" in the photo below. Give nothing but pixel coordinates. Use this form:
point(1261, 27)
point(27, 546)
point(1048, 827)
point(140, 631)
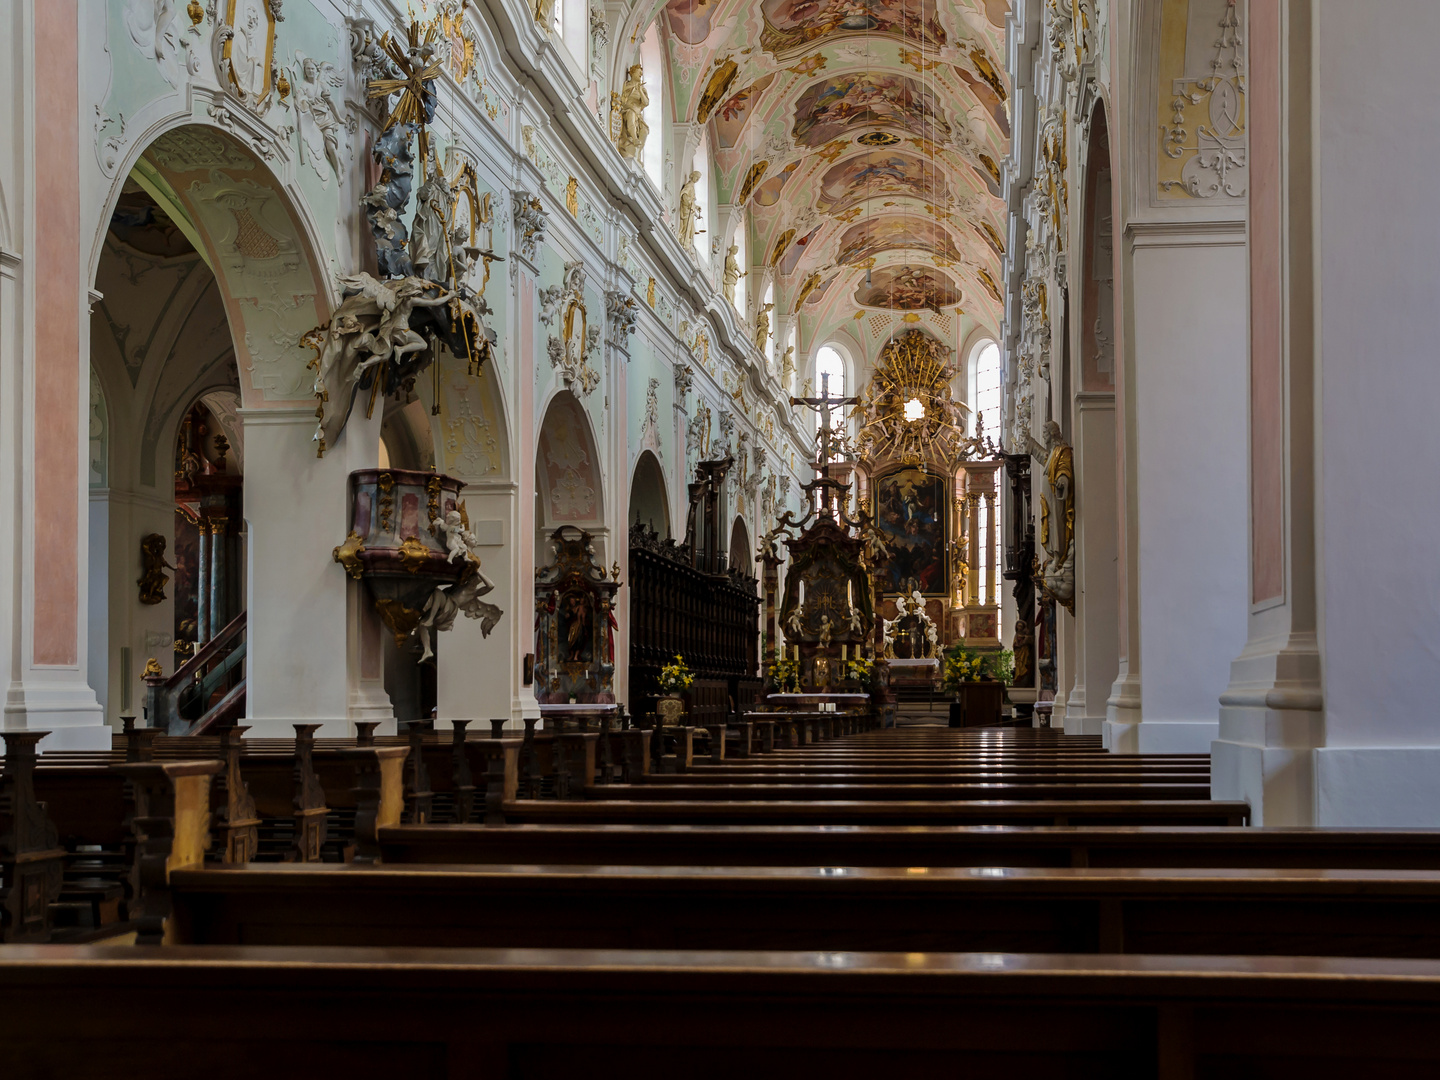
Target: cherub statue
point(855, 625)
point(824, 631)
point(459, 540)
point(794, 625)
point(933, 636)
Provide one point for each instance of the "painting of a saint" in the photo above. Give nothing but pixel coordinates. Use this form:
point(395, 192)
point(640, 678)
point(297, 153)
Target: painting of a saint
point(871, 237)
point(909, 507)
point(793, 25)
point(880, 173)
point(835, 107)
point(908, 288)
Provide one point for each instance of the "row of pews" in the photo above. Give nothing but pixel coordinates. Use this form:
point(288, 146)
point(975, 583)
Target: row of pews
point(623, 903)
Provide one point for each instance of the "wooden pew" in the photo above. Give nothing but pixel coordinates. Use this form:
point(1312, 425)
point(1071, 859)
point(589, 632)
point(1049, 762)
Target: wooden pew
point(878, 845)
point(659, 791)
point(909, 909)
point(878, 812)
point(242, 1012)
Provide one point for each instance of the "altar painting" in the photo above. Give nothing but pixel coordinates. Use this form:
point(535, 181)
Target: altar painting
point(909, 508)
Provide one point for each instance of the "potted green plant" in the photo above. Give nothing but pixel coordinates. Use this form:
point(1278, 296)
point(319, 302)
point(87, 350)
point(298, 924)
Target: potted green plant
point(675, 678)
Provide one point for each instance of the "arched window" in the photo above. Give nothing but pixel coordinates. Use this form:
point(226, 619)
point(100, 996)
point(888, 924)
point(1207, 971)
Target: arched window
point(830, 375)
point(701, 164)
point(572, 26)
point(652, 59)
point(987, 387)
point(986, 402)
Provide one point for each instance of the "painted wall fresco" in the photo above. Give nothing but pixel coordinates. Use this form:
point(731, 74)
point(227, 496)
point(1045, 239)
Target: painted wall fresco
point(870, 238)
point(792, 25)
point(987, 97)
point(731, 117)
point(908, 288)
point(690, 20)
point(834, 107)
point(791, 258)
point(878, 174)
point(909, 508)
point(768, 193)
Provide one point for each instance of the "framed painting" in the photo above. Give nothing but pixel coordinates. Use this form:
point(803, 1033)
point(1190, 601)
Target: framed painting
point(910, 507)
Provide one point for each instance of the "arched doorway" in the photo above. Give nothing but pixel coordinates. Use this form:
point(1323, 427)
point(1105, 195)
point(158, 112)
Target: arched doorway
point(649, 505)
point(208, 278)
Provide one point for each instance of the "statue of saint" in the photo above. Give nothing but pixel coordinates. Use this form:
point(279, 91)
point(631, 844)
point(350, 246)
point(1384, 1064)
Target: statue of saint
point(787, 367)
point(633, 100)
point(762, 326)
point(733, 273)
point(1060, 474)
point(688, 213)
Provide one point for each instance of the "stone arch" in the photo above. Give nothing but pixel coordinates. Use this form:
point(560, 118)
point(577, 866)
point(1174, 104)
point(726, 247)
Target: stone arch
point(569, 482)
point(253, 233)
point(649, 500)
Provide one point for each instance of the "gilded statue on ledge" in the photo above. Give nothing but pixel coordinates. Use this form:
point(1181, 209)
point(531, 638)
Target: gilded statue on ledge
point(632, 103)
point(732, 273)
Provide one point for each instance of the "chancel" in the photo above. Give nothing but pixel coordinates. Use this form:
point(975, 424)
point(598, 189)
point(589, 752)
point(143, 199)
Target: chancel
point(743, 538)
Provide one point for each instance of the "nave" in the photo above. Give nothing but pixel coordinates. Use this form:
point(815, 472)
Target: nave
point(852, 898)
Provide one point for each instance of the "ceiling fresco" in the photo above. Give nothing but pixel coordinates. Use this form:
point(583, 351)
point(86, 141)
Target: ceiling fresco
point(863, 138)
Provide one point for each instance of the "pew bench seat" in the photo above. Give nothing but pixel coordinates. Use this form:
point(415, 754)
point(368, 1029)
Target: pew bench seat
point(240, 1012)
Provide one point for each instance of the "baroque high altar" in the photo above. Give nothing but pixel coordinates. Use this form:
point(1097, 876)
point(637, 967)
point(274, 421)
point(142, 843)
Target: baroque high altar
point(896, 557)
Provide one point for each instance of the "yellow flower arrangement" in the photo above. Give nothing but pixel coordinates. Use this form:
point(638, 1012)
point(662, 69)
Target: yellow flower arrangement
point(675, 676)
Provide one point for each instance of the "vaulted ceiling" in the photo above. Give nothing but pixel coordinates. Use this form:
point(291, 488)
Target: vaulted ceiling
point(865, 137)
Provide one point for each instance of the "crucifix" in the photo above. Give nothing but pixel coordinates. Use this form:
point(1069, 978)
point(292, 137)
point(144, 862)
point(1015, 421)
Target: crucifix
point(824, 439)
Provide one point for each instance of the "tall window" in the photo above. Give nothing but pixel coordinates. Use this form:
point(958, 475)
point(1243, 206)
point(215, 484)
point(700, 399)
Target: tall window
point(652, 59)
point(986, 401)
point(701, 165)
point(830, 365)
point(987, 387)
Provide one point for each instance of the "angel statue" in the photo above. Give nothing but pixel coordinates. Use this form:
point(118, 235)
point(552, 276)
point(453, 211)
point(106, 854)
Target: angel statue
point(318, 117)
point(462, 597)
point(795, 626)
point(824, 631)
